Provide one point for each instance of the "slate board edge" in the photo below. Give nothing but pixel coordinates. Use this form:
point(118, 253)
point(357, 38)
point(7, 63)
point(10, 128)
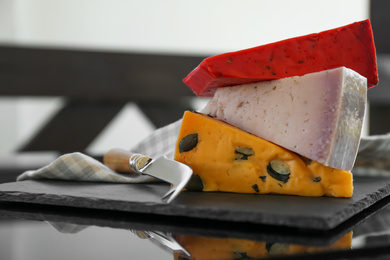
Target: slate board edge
point(352, 210)
point(160, 209)
point(17, 211)
point(324, 224)
point(265, 236)
point(181, 210)
point(154, 208)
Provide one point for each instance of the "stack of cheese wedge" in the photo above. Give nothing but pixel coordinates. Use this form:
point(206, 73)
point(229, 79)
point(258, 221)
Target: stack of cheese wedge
point(284, 118)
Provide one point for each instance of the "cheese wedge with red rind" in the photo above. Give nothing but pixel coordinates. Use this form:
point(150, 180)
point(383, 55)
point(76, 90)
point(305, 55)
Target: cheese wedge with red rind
point(319, 115)
point(350, 46)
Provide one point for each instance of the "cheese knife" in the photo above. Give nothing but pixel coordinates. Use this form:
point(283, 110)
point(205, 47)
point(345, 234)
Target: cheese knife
point(163, 168)
point(166, 240)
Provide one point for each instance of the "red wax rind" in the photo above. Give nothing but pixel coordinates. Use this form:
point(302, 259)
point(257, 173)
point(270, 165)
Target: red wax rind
point(351, 46)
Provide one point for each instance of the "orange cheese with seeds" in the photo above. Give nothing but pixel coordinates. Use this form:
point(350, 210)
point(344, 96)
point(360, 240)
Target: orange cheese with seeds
point(228, 159)
point(232, 248)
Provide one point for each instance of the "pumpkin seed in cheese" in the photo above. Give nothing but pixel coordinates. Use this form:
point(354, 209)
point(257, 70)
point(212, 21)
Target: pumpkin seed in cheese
point(228, 159)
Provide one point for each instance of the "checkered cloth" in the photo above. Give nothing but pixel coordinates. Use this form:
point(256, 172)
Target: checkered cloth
point(160, 142)
point(67, 228)
point(373, 159)
point(80, 167)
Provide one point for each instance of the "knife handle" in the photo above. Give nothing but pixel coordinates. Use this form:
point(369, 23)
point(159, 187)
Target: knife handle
point(120, 160)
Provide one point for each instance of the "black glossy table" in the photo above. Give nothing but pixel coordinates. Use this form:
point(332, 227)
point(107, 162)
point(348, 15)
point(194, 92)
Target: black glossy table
point(36, 231)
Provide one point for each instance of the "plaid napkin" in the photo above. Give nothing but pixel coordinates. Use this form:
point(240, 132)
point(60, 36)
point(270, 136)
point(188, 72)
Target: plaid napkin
point(80, 167)
point(67, 228)
point(161, 142)
point(373, 159)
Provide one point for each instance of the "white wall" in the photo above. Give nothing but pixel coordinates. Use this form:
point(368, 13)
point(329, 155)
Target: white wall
point(201, 26)
point(172, 26)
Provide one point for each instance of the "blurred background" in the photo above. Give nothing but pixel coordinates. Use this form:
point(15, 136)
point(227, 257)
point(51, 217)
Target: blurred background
point(110, 72)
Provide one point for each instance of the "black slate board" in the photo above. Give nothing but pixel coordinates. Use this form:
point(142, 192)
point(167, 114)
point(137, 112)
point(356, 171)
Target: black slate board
point(317, 213)
point(362, 223)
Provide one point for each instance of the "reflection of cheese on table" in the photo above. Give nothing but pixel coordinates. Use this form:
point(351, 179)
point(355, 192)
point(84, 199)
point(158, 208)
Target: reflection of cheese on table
point(351, 46)
point(318, 115)
point(232, 160)
point(210, 248)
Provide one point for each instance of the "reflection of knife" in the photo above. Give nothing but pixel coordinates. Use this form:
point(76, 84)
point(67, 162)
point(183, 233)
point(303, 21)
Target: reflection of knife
point(176, 173)
point(161, 238)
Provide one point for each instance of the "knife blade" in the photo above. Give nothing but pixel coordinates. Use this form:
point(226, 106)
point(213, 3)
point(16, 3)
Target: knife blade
point(166, 240)
point(163, 168)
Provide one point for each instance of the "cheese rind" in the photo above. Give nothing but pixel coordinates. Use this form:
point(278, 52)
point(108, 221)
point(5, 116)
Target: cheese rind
point(351, 46)
point(318, 115)
point(228, 159)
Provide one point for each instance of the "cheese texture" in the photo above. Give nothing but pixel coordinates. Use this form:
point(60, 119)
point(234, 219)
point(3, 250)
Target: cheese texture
point(202, 248)
point(228, 159)
point(351, 46)
point(318, 115)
